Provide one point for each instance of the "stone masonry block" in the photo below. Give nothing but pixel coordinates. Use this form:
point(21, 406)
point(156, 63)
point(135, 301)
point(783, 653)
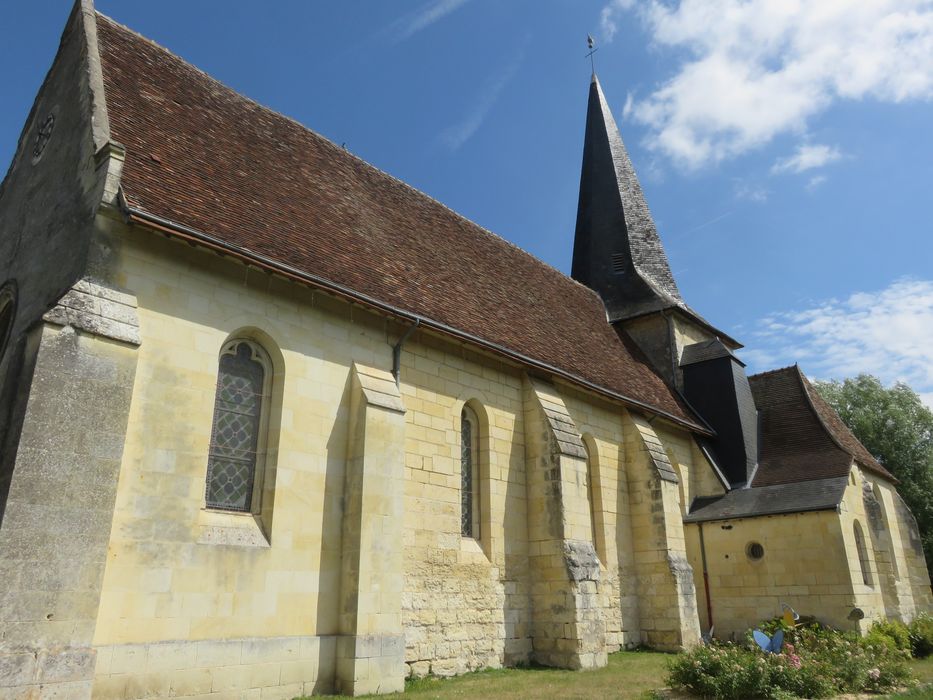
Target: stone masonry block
point(61, 665)
point(17, 669)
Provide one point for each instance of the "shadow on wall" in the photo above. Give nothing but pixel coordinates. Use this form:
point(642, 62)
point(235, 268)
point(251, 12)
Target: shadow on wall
point(628, 582)
point(516, 581)
point(329, 597)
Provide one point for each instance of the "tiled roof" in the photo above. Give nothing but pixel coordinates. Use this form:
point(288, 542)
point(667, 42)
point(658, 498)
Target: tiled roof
point(802, 437)
point(820, 494)
point(200, 155)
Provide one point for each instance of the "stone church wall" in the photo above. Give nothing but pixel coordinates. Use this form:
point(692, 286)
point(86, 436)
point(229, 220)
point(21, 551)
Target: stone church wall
point(465, 601)
point(66, 379)
point(47, 203)
point(212, 601)
point(896, 540)
point(184, 588)
point(812, 562)
point(803, 565)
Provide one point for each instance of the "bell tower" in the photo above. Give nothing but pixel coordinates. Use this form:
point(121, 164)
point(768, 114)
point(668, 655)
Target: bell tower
point(617, 253)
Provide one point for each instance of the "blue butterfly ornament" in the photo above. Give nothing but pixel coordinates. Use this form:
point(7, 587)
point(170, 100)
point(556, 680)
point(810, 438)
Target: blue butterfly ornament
point(772, 645)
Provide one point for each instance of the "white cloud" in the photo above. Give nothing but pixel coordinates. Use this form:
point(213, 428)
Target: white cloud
point(815, 182)
point(407, 26)
point(888, 333)
point(758, 68)
point(456, 135)
point(807, 157)
point(629, 104)
point(607, 18)
point(750, 192)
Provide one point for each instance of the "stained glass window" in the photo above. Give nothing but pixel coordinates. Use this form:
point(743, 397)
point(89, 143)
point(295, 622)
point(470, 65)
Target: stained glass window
point(469, 520)
point(238, 405)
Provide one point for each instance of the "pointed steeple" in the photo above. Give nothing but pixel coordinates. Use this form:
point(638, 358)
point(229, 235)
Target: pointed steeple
point(617, 251)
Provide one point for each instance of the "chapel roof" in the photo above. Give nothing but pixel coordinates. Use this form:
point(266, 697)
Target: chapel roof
point(796, 497)
point(268, 189)
point(802, 437)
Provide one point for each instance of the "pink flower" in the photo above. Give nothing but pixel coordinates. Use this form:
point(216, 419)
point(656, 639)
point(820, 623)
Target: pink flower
point(875, 673)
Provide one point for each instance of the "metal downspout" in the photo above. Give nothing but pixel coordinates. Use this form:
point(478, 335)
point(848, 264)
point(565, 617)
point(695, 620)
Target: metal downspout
point(397, 350)
point(709, 602)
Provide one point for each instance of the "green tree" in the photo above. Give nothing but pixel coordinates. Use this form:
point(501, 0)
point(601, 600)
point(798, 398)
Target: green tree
point(897, 429)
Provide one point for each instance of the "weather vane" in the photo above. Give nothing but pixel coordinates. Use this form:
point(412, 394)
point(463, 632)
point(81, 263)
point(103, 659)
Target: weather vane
point(591, 45)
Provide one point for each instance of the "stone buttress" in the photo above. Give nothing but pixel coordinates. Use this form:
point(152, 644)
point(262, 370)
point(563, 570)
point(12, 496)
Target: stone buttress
point(568, 628)
point(57, 520)
point(66, 379)
point(371, 648)
point(666, 591)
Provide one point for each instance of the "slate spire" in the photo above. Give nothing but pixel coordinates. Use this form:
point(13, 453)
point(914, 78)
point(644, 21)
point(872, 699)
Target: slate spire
point(616, 250)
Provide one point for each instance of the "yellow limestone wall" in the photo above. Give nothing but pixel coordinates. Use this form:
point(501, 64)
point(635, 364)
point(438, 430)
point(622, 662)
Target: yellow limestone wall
point(811, 562)
point(900, 584)
point(465, 601)
point(804, 565)
point(197, 603)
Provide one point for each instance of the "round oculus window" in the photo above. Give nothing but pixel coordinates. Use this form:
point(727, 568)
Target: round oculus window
point(755, 551)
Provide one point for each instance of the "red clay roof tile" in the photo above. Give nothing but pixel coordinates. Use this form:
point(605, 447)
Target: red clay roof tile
point(802, 437)
point(201, 155)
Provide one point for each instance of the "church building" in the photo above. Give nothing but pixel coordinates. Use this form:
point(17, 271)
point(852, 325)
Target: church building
point(274, 423)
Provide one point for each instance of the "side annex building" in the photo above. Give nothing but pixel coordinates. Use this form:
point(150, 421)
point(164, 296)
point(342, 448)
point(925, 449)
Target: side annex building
point(237, 461)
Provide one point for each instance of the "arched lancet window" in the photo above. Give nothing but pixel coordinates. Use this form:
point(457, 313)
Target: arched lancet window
point(234, 466)
point(590, 489)
point(862, 554)
point(879, 496)
point(469, 474)
point(594, 496)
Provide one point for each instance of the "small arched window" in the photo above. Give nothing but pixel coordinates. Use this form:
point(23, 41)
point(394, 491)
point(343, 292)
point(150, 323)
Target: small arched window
point(862, 554)
point(469, 474)
point(590, 489)
point(234, 466)
point(594, 496)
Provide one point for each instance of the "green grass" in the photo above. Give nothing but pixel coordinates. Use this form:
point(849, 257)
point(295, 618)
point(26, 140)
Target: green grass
point(630, 675)
point(923, 671)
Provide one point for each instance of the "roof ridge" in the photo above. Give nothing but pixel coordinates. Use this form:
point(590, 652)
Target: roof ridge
point(771, 371)
point(806, 386)
point(344, 152)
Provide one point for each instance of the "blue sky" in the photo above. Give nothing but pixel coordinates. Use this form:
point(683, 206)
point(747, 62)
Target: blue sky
point(785, 149)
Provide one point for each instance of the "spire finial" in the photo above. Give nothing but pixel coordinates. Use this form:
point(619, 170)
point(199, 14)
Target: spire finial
point(591, 45)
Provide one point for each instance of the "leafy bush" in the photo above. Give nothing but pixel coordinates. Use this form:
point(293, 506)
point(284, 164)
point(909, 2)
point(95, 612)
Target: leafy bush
point(818, 663)
point(893, 633)
point(920, 632)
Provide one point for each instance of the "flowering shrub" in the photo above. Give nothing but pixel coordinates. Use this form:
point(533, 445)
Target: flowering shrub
point(817, 663)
